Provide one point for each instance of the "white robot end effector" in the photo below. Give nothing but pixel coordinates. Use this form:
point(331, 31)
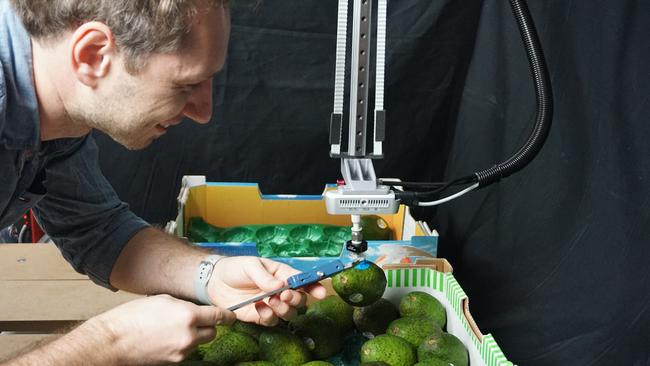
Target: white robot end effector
point(360, 195)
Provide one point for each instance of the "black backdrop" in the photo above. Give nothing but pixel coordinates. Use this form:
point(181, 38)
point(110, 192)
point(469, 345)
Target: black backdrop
point(555, 258)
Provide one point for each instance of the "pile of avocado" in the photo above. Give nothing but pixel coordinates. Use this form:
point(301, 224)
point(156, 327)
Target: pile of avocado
point(357, 327)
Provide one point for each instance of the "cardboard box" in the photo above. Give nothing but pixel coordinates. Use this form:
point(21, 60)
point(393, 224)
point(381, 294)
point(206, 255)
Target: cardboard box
point(435, 277)
point(408, 261)
point(233, 204)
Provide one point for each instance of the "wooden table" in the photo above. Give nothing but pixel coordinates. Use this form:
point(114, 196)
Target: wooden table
point(41, 295)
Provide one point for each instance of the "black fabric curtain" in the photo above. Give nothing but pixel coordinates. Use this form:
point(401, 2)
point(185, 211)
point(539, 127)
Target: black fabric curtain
point(554, 258)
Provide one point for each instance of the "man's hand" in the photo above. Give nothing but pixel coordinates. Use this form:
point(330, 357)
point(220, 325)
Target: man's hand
point(161, 329)
point(149, 331)
point(236, 279)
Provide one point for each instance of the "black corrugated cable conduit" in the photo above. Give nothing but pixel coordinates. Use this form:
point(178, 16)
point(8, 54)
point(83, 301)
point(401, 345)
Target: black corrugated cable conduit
point(544, 96)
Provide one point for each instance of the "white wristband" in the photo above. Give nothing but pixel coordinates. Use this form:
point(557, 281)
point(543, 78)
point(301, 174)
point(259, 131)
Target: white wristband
point(202, 277)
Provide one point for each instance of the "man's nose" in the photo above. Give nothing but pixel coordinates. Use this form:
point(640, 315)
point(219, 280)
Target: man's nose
point(199, 104)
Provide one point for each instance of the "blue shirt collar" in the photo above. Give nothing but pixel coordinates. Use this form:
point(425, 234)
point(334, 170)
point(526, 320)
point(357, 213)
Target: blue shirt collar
point(19, 118)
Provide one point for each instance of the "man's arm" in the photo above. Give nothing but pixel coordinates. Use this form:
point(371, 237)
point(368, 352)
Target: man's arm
point(133, 334)
point(89, 341)
point(154, 262)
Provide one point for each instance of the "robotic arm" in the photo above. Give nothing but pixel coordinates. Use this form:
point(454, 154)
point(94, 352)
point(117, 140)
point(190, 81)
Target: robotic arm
point(361, 192)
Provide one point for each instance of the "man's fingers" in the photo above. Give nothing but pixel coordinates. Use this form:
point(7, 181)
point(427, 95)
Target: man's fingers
point(267, 316)
point(262, 278)
point(294, 298)
point(281, 309)
point(210, 316)
point(205, 334)
point(317, 290)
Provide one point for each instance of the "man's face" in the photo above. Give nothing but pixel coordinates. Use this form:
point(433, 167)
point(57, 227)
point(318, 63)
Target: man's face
point(137, 109)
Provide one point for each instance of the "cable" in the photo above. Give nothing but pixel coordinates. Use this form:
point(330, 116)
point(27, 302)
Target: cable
point(543, 93)
point(392, 182)
point(539, 134)
point(416, 185)
point(410, 198)
point(449, 198)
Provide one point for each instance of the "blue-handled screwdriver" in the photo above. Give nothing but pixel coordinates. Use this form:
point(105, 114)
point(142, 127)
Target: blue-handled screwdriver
point(300, 280)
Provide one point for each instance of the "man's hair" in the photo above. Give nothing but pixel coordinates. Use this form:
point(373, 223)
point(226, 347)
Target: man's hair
point(140, 27)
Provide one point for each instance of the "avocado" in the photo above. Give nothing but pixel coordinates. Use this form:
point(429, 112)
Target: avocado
point(418, 303)
point(251, 329)
point(374, 318)
point(283, 348)
point(360, 285)
point(194, 356)
point(320, 334)
point(375, 228)
point(388, 348)
point(443, 346)
point(301, 310)
point(318, 363)
point(232, 347)
point(336, 309)
point(434, 362)
point(374, 363)
point(221, 331)
point(413, 328)
point(255, 363)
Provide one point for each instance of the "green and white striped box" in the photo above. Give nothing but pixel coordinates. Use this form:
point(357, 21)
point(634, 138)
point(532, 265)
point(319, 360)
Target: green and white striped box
point(436, 279)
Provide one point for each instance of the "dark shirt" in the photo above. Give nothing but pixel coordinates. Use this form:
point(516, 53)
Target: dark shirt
point(59, 179)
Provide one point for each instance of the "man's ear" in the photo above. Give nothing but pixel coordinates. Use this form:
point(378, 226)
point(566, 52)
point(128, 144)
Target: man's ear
point(93, 49)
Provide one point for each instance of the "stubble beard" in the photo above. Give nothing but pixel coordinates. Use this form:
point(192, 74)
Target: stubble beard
point(126, 129)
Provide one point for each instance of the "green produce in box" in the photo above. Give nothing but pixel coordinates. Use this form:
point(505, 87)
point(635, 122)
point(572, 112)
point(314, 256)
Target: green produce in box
point(336, 309)
point(418, 303)
point(251, 329)
point(283, 348)
point(434, 362)
point(231, 348)
point(221, 331)
point(445, 347)
point(375, 228)
point(388, 348)
point(320, 334)
point(374, 318)
point(413, 328)
point(360, 285)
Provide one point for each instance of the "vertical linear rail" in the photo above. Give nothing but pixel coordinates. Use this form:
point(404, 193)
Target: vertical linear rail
point(336, 120)
point(380, 113)
point(360, 76)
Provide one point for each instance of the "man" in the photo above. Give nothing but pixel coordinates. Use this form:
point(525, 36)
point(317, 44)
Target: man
point(130, 69)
